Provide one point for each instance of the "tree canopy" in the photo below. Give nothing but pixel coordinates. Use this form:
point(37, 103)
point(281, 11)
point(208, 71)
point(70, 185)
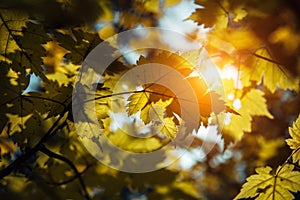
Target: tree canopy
point(150, 99)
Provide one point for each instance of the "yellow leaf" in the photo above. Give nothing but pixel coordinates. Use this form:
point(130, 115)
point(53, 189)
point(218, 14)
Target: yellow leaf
point(152, 6)
point(157, 114)
point(287, 36)
point(108, 14)
point(122, 139)
point(17, 123)
point(54, 56)
point(160, 105)
point(130, 20)
point(168, 127)
point(144, 115)
point(251, 104)
point(294, 143)
point(267, 186)
point(272, 73)
point(111, 81)
point(218, 13)
point(181, 63)
point(236, 126)
point(241, 39)
point(6, 144)
point(212, 14)
point(137, 102)
point(107, 31)
point(157, 110)
point(239, 13)
point(188, 188)
point(254, 103)
point(169, 3)
point(268, 149)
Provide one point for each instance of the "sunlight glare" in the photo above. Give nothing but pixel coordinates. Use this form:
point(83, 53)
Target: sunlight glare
point(231, 72)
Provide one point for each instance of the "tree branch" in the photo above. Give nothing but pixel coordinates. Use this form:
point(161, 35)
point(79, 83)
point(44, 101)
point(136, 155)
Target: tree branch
point(68, 180)
point(50, 133)
point(51, 154)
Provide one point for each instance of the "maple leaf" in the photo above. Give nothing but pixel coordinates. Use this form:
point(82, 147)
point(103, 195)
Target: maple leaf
point(218, 13)
point(19, 34)
point(267, 186)
point(294, 143)
point(207, 101)
point(209, 15)
point(53, 58)
point(272, 73)
point(251, 104)
point(137, 102)
point(158, 109)
point(78, 42)
point(11, 24)
point(168, 127)
point(154, 111)
point(165, 125)
point(158, 92)
point(231, 41)
point(17, 123)
point(181, 63)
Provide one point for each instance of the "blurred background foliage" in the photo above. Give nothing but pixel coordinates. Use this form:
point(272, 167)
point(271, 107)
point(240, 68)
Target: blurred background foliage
point(42, 45)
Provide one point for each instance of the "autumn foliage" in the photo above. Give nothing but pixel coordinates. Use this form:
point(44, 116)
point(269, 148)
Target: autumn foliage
point(252, 114)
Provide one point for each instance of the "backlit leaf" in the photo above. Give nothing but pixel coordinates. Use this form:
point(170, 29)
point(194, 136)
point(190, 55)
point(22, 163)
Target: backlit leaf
point(273, 74)
point(137, 102)
point(267, 186)
point(168, 127)
point(294, 142)
point(218, 13)
point(251, 104)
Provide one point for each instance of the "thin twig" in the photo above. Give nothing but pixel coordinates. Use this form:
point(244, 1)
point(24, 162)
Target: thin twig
point(287, 161)
point(51, 154)
point(42, 76)
point(68, 180)
point(50, 133)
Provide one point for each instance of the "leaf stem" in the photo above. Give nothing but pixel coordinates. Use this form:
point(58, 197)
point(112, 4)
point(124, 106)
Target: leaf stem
point(287, 161)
